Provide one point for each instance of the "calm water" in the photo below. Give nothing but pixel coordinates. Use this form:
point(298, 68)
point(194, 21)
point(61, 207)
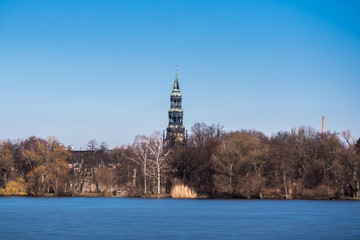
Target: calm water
point(119, 218)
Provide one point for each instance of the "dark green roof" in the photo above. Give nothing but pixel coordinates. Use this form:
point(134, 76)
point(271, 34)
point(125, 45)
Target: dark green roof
point(176, 84)
point(176, 87)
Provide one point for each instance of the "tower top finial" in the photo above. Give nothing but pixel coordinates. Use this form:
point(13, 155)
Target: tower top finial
point(176, 68)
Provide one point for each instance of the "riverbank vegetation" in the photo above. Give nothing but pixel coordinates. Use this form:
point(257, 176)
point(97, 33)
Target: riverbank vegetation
point(182, 191)
point(301, 163)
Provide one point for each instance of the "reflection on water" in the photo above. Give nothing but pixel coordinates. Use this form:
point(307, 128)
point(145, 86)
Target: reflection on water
point(119, 218)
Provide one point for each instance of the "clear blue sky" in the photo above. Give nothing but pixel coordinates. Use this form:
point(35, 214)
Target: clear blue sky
point(104, 69)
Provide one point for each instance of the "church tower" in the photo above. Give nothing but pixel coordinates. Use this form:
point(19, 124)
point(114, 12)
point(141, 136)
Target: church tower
point(175, 132)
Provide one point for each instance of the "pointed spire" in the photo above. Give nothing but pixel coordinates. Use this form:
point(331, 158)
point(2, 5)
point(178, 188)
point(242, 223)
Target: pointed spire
point(176, 84)
point(176, 87)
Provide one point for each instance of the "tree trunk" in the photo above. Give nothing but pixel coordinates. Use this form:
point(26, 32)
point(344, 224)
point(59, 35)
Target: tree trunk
point(158, 179)
point(145, 183)
point(134, 177)
point(286, 192)
point(145, 189)
point(357, 192)
point(55, 188)
point(230, 179)
point(184, 174)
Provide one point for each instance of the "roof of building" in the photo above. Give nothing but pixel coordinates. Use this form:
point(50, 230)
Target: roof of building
point(176, 87)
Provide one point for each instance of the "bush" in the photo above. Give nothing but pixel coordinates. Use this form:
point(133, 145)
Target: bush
point(17, 187)
point(321, 192)
point(182, 191)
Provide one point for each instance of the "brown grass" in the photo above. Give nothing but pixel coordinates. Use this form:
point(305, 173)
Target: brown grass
point(14, 188)
point(182, 191)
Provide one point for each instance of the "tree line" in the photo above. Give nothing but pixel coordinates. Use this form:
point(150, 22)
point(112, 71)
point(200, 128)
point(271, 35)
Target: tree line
point(301, 163)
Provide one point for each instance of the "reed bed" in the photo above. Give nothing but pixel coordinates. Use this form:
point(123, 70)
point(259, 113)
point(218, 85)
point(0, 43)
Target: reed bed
point(182, 191)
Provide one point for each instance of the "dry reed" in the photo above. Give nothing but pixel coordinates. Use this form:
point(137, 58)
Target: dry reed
point(17, 187)
point(182, 191)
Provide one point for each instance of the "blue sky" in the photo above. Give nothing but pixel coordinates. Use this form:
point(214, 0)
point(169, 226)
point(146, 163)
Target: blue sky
point(104, 69)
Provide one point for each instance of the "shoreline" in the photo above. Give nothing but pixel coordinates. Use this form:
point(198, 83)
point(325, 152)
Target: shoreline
point(168, 196)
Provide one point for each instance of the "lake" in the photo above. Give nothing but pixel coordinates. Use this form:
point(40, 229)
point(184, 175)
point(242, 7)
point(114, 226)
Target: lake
point(133, 218)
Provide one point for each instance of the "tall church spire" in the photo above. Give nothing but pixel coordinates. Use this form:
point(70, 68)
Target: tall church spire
point(175, 130)
point(176, 87)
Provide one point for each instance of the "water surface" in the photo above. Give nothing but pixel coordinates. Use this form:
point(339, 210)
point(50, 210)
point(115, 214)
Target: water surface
point(126, 218)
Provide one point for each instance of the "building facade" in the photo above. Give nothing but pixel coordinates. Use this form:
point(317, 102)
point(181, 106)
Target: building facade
point(175, 131)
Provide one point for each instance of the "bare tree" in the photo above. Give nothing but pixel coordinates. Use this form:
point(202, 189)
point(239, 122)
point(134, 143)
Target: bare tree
point(141, 150)
point(6, 161)
point(92, 144)
point(281, 168)
point(158, 158)
point(238, 163)
point(104, 146)
point(225, 160)
point(52, 173)
point(351, 164)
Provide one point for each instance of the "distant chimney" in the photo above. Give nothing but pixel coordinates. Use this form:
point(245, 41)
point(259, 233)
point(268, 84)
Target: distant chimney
point(323, 125)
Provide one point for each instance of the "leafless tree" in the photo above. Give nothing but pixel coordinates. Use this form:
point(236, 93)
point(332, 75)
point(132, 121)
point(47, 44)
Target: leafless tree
point(141, 150)
point(225, 161)
point(6, 161)
point(158, 158)
point(92, 144)
point(238, 163)
point(351, 164)
point(104, 146)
